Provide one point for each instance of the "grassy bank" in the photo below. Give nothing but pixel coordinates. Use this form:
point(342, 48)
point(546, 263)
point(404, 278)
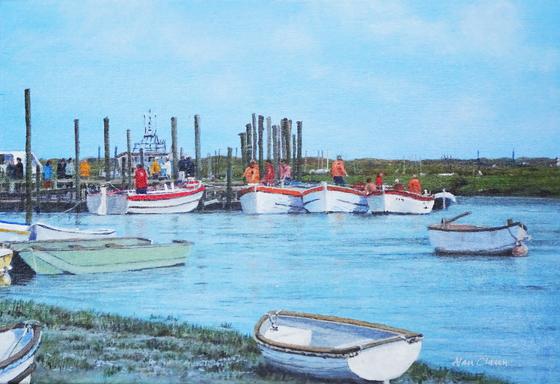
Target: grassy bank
point(89, 347)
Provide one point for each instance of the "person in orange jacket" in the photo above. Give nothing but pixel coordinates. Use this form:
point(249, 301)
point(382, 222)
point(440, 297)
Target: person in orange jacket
point(268, 173)
point(84, 168)
point(414, 185)
point(251, 174)
point(338, 171)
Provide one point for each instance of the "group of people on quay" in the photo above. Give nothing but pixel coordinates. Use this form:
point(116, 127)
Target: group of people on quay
point(338, 173)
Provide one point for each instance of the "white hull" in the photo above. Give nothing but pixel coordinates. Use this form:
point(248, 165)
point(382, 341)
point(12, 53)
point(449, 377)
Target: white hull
point(13, 231)
point(22, 343)
point(330, 198)
point(46, 232)
point(269, 200)
point(104, 203)
point(499, 240)
point(400, 202)
point(174, 201)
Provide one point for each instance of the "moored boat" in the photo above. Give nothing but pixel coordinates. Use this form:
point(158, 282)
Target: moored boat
point(334, 198)
point(5, 266)
point(261, 199)
point(107, 202)
point(18, 345)
point(99, 255)
point(443, 199)
point(335, 348)
point(509, 239)
point(10, 231)
point(400, 202)
point(40, 231)
point(174, 200)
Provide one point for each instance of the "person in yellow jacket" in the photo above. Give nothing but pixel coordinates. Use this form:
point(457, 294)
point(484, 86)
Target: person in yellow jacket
point(85, 169)
point(252, 174)
point(155, 168)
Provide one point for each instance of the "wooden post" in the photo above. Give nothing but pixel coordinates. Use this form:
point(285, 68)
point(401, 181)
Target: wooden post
point(77, 159)
point(209, 157)
point(129, 159)
point(293, 159)
point(123, 172)
point(299, 149)
point(174, 163)
point(229, 175)
point(275, 151)
point(142, 156)
point(28, 167)
point(254, 135)
point(37, 188)
point(181, 153)
point(286, 140)
point(107, 153)
point(115, 162)
point(289, 143)
point(260, 144)
point(249, 142)
point(268, 138)
point(198, 170)
point(243, 139)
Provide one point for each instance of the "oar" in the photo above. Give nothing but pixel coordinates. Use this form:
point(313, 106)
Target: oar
point(447, 221)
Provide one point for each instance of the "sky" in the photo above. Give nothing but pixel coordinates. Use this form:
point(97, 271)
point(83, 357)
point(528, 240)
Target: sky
point(383, 79)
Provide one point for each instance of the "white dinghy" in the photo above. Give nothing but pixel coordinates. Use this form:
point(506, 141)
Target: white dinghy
point(448, 238)
point(443, 199)
point(334, 198)
point(335, 348)
point(18, 345)
point(40, 231)
point(261, 199)
point(400, 202)
point(10, 231)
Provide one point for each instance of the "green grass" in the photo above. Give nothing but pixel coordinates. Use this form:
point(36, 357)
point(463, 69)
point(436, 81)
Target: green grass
point(90, 347)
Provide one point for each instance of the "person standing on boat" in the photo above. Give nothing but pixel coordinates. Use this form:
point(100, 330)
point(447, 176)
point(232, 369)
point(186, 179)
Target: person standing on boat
point(155, 168)
point(379, 181)
point(251, 174)
point(338, 171)
point(285, 172)
point(268, 173)
point(370, 186)
point(141, 180)
point(166, 170)
point(414, 185)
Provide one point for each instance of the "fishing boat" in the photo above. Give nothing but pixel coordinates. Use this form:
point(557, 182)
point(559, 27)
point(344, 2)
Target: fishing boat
point(10, 231)
point(334, 198)
point(174, 200)
point(443, 199)
point(261, 199)
point(40, 231)
point(99, 255)
point(335, 348)
point(18, 345)
point(107, 202)
point(5, 266)
point(449, 238)
point(400, 202)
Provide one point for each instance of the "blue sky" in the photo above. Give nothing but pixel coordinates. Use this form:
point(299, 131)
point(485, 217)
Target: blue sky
point(390, 79)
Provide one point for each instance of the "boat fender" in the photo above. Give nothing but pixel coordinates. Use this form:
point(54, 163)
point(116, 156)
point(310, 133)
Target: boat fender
point(520, 250)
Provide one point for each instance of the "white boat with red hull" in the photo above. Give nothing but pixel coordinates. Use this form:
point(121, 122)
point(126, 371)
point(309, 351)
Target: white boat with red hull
point(262, 199)
point(400, 202)
point(334, 198)
point(175, 200)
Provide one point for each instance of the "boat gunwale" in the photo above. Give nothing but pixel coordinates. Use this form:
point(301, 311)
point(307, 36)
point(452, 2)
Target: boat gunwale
point(271, 190)
point(9, 243)
point(160, 195)
point(412, 195)
point(403, 335)
point(35, 340)
point(473, 228)
point(31, 246)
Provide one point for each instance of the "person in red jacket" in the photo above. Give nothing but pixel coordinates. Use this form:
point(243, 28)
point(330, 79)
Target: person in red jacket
point(268, 173)
point(141, 179)
point(379, 181)
point(414, 185)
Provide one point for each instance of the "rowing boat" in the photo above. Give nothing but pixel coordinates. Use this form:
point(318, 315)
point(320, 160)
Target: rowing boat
point(10, 231)
point(334, 198)
point(261, 199)
point(99, 255)
point(40, 231)
point(335, 348)
point(174, 200)
point(443, 199)
point(400, 202)
point(18, 346)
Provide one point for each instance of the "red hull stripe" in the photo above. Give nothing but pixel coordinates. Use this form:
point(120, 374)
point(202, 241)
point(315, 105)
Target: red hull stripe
point(164, 195)
point(411, 195)
point(333, 188)
point(265, 189)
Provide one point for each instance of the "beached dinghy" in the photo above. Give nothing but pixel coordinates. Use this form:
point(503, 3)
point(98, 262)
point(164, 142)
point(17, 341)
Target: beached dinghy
point(335, 348)
point(400, 202)
point(443, 199)
point(5, 266)
point(99, 255)
point(107, 202)
point(10, 231)
point(18, 345)
point(42, 231)
point(261, 199)
point(334, 198)
point(448, 238)
point(174, 200)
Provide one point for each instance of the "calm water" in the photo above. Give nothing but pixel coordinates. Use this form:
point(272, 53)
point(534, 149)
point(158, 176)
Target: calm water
point(495, 315)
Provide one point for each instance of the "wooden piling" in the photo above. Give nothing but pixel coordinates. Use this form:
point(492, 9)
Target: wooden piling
point(275, 151)
point(129, 159)
point(243, 139)
point(142, 156)
point(198, 170)
point(174, 161)
point(115, 162)
point(299, 149)
point(77, 180)
point(123, 172)
point(254, 135)
point(229, 175)
point(293, 159)
point(28, 167)
point(249, 137)
point(268, 138)
point(260, 144)
point(107, 153)
point(37, 188)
